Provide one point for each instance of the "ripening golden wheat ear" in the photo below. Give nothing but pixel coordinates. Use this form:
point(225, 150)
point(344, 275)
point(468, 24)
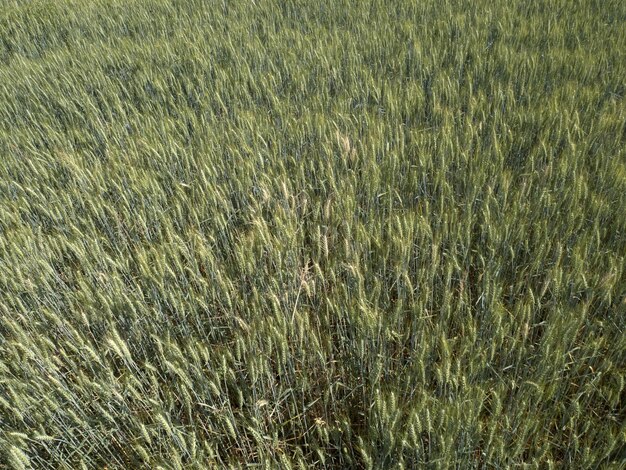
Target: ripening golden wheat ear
point(344, 142)
point(347, 149)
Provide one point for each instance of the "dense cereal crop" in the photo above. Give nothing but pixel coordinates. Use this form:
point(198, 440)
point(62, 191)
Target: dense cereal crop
point(312, 234)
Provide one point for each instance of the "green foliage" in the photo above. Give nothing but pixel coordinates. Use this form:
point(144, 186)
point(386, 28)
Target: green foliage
point(322, 234)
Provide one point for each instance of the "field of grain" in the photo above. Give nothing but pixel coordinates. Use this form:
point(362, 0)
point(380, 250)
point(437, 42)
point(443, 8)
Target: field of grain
point(294, 234)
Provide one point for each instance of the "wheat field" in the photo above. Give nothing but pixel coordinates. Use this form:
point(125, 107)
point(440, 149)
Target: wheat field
point(293, 234)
